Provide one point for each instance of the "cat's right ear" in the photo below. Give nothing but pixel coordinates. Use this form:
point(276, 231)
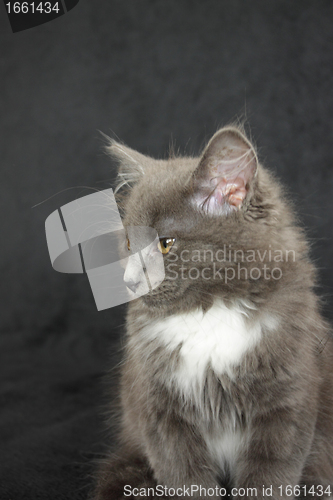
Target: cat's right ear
point(224, 178)
point(131, 164)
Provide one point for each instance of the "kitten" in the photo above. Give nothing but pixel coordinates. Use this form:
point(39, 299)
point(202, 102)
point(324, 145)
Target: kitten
point(228, 373)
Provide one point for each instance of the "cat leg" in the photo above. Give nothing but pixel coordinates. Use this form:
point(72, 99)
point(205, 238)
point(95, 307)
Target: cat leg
point(121, 474)
point(275, 454)
point(180, 461)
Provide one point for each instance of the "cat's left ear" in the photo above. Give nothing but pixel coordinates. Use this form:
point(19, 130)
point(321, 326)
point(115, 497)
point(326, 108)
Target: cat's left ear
point(225, 174)
point(131, 164)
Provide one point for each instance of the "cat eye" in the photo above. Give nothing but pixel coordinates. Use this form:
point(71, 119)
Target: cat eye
point(165, 244)
point(128, 244)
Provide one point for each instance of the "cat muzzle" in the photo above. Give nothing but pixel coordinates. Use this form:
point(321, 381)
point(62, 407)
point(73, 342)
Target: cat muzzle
point(87, 236)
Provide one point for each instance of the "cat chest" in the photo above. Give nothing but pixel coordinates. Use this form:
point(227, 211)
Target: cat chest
point(218, 339)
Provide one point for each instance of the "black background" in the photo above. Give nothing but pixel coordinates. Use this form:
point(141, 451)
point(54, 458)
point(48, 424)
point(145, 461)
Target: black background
point(147, 71)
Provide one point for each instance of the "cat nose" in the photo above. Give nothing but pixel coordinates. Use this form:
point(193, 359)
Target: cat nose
point(132, 284)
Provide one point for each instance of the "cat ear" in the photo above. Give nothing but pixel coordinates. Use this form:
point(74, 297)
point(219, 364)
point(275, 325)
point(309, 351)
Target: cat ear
point(131, 163)
point(223, 179)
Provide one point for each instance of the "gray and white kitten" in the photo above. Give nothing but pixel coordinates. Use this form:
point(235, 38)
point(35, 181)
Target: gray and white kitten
point(227, 377)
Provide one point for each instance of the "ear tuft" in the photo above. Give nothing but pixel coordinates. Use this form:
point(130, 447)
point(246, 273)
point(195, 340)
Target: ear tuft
point(131, 163)
point(227, 168)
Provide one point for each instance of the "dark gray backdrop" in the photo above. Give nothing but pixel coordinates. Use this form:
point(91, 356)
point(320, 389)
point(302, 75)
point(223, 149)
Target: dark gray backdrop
point(147, 71)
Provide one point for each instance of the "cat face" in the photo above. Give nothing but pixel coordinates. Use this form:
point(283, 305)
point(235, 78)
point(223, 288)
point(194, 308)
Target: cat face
point(211, 213)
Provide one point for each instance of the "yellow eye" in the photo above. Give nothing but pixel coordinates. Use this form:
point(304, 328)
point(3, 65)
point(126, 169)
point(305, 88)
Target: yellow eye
point(165, 244)
point(128, 244)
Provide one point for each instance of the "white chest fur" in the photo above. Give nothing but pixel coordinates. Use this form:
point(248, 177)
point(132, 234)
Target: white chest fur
point(224, 449)
point(219, 339)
